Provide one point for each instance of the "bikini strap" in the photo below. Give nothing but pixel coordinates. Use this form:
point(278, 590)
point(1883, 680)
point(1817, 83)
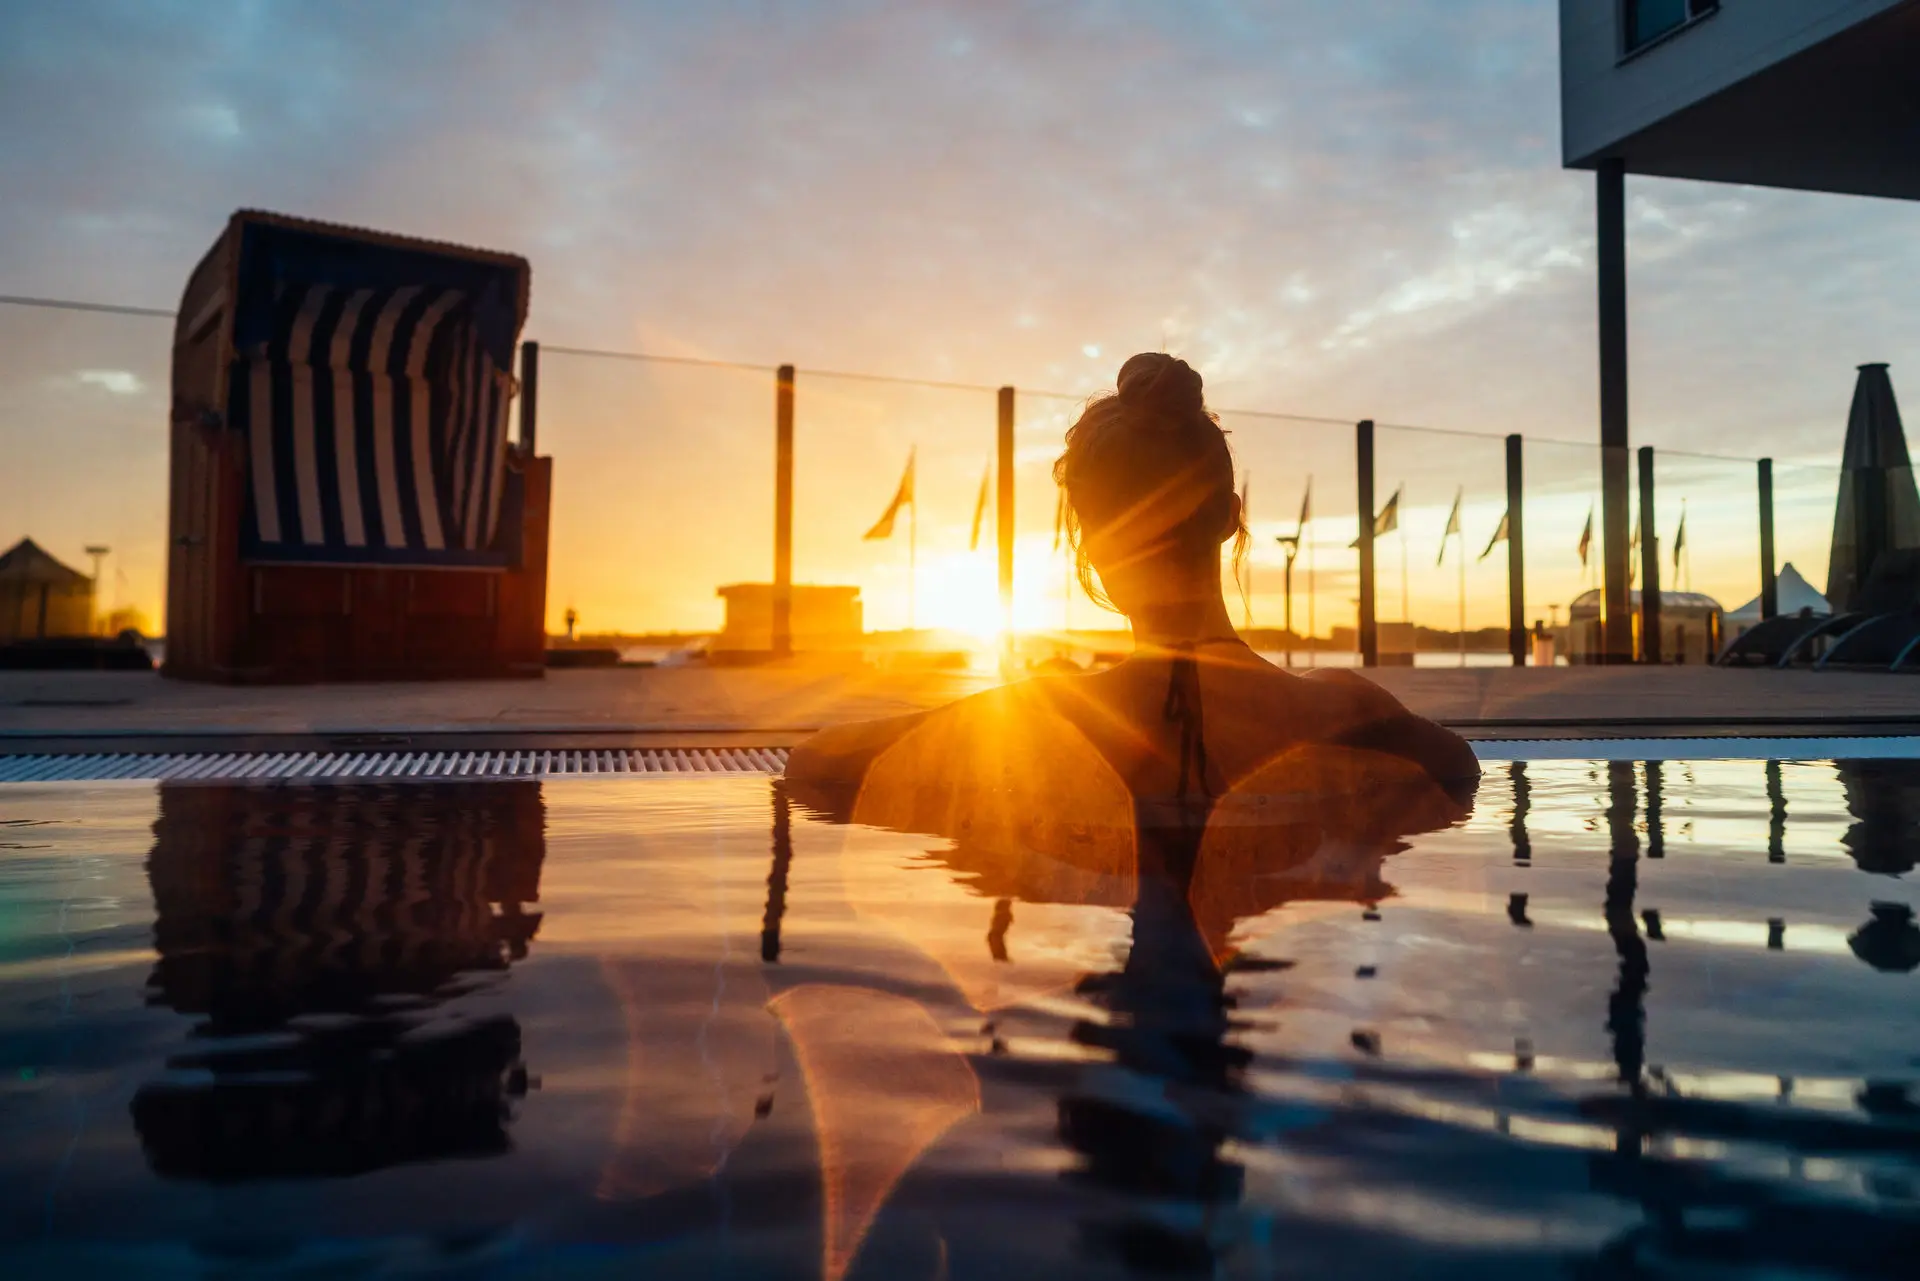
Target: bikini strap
point(1183, 707)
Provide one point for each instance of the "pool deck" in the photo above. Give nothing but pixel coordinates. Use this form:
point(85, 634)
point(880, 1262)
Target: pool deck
point(777, 706)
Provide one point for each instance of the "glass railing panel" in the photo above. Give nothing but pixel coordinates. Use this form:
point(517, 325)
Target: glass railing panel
point(1442, 576)
point(927, 581)
point(662, 492)
point(84, 402)
point(1563, 530)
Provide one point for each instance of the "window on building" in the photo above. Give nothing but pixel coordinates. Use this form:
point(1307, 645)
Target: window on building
point(1648, 20)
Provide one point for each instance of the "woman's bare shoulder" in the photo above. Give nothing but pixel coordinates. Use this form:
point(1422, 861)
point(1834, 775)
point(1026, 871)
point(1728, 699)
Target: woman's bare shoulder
point(842, 754)
point(1340, 707)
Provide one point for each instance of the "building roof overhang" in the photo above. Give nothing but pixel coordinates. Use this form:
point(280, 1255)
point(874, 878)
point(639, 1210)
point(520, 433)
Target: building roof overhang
point(1840, 116)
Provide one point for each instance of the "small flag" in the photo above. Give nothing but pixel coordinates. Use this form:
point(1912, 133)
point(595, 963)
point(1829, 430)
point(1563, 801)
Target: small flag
point(1387, 521)
point(1453, 527)
point(1680, 538)
point(1389, 518)
point(1586, 539)
point(1059, 518)
point(980, 509)
point(902, 497)
point(1505, 530)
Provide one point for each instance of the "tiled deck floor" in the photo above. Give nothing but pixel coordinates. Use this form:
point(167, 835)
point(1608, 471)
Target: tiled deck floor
point(776, 706)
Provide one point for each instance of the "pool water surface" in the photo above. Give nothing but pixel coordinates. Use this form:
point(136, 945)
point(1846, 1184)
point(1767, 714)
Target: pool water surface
point(1626, 1018)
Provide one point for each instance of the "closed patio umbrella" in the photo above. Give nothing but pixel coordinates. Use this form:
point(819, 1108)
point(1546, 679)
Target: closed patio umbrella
point(1878, 509)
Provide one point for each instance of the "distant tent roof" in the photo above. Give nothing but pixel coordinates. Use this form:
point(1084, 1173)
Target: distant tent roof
point(1795, 594)
point(27, 562)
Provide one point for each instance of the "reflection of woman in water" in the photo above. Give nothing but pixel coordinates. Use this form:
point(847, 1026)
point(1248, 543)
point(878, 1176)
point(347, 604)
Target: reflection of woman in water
point(1194, 785)
point(1194, 711)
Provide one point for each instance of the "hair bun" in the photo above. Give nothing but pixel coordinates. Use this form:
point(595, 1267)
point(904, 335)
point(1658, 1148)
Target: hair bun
point(1162, 384)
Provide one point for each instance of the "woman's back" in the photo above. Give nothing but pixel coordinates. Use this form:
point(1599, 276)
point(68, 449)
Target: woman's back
point(1246, 713)
point(1163, 729)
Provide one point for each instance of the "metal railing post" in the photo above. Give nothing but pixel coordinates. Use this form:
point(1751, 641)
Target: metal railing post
point(1649, 564)
point(1516, 558)
point(1369, 628)
point(1004, 514)
point(783, 512)
point(529, 396)
point(1769, 581)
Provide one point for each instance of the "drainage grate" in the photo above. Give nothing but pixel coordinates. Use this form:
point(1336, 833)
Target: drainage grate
point(280, 767)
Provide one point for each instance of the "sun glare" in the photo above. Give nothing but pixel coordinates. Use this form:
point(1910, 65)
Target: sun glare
point(959, 593)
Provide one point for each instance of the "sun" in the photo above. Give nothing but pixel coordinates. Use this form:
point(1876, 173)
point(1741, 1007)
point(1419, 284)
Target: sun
point(959, 593)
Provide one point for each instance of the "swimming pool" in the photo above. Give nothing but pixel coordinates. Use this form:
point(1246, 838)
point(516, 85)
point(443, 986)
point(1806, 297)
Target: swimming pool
point(1628, 1015)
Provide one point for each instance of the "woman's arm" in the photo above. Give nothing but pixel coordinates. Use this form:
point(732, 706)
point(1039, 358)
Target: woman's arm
point(1379, 722)
point(839, 756)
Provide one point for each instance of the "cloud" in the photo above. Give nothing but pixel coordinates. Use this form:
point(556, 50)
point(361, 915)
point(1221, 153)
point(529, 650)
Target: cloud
point(119, 382)
point(1343, 210)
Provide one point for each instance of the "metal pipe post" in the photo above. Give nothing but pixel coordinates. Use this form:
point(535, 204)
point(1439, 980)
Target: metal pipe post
point(1611, 224)
point(1369, 629)
point(1769, 581)
point(783, 512)
point(529, 396)
point(1516, 557)
point(1004, 516)
point(1649, 564)
point(1288, 588)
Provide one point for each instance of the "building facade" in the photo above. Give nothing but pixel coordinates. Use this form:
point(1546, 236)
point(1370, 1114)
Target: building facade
point(1810, 95)
point(1814, 95)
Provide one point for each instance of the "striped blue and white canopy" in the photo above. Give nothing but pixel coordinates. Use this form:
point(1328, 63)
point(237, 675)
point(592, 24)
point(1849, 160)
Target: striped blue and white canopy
point(376, 429)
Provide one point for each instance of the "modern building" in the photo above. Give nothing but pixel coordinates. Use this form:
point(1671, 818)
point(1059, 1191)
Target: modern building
point(1811, 95)
point(40, 597)
point(823, 619)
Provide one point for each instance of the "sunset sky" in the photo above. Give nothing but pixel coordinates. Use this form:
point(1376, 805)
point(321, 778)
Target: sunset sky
point(1332, 210)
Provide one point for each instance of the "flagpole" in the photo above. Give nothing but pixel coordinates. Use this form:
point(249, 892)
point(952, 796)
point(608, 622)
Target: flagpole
point(1406, 614)
point(1460, 545)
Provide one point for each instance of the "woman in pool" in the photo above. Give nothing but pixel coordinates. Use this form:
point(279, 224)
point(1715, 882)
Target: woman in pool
point(1193, 712)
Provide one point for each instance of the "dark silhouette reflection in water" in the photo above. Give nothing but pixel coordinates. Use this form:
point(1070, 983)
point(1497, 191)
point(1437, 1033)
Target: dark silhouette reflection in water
point(1776, 814)
point(1700, 1216)
point(1626, 1008)
point(1169, 1022)
point(1884, 799)
point(1047, 821)
point(318, 933)
point(1522, 806)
